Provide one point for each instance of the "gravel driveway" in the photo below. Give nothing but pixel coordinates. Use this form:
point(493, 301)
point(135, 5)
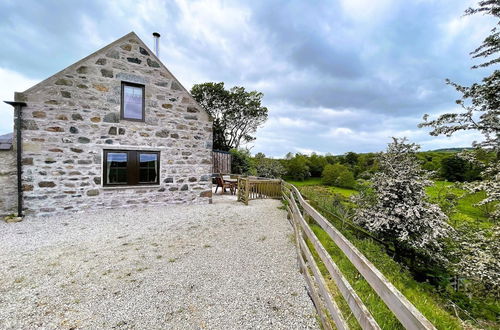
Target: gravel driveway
point(219, 266)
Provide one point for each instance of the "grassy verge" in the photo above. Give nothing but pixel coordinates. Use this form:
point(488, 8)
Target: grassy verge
point(420, 294)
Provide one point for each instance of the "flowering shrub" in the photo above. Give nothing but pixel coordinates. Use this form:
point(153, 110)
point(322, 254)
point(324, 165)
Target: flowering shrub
point(269, 168)
point(477, 258)
point(490, 183)
point(396, 206)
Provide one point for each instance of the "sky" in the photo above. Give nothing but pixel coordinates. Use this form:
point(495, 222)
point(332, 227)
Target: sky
point(337, 76)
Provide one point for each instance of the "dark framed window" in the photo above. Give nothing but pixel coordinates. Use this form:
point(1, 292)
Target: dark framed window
point(132, 102)
point(131, 167)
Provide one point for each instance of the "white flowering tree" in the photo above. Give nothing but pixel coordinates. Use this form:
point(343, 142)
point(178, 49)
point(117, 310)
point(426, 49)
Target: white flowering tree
point(477, 251)
point(480, 110)
point(476, 256)
point(397, 207)
point(490, 182)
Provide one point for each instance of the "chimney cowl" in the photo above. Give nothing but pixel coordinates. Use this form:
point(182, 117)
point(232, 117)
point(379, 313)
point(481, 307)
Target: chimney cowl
point(156, 36)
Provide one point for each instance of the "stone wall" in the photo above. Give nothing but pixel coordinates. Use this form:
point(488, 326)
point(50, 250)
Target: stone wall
point(74, 115)
point(8, 182)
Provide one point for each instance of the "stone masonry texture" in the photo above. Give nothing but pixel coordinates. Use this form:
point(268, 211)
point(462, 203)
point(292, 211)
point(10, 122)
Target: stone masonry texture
point(73, 116)
point(8, 182)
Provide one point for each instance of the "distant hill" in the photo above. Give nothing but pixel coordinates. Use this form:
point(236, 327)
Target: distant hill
point(451, 149)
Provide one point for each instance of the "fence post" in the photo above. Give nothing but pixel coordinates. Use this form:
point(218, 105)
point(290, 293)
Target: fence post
point(247, 190)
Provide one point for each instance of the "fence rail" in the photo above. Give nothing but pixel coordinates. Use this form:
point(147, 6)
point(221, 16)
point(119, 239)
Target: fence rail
point(258, 188)
point(403, 309)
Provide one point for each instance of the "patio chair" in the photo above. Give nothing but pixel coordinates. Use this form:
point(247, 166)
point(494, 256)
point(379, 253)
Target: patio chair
point(224, 184)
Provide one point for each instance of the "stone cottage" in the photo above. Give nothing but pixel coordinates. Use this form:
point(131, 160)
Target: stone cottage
point(115, 129)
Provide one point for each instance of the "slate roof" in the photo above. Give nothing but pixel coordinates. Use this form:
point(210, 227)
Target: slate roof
point(6, 141)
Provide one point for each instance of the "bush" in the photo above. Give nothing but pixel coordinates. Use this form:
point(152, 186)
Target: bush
point(400, 211)
point(269, 168)
point(346, 180)
point(338, 175)
point(240, 161)
point(316, 164)
point(297, 168)
point(458, 169)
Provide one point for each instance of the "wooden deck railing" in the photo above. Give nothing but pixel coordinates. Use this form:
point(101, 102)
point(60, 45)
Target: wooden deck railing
point(328, 310)
point(258, 188)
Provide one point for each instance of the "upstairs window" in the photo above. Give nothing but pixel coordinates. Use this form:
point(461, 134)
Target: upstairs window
point(131, 167)
point(132, 101)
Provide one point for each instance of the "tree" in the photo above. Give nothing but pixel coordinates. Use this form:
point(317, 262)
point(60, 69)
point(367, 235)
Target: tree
point(480, 105)
point(236, 113)
point(316, 164)
point(482, 113)
point(477, 254)
point(338, 175)
point(351, 158)
point(455, 168)
point(268, 168)
point(240, 161)
point(366, 166)
point(396, 206)
point(259, 155)
point(330, 159)
point(297, 168)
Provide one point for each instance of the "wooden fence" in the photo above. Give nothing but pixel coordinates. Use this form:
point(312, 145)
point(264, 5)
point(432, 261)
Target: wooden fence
point(258, 188)
point(221, 162)
point(328, 310)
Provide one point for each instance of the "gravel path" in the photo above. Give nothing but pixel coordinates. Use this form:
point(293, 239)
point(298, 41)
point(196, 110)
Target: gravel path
point(219, 266)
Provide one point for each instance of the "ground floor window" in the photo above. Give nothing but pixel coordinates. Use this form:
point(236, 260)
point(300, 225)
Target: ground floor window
point(131, 167)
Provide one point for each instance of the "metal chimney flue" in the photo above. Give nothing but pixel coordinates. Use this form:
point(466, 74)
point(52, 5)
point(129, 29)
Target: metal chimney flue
point(156, 35)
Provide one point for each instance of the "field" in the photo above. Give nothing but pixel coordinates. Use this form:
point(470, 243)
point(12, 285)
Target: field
point(466, 211)
point(316, 182)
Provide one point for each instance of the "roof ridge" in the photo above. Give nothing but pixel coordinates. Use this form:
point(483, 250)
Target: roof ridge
point(112, 44)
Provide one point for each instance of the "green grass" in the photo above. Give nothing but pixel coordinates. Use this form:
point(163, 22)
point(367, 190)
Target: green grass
point(316, 182)
point(421, 295)
point(466, 211)
point(342, 191)
point(307, 182)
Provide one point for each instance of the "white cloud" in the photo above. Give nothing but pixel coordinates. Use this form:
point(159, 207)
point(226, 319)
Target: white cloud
point(308, 151)
point(335, 113)
point(90, 32)
point(10, 82)
point(291, 122)
point(367, 11)
point(338, 131)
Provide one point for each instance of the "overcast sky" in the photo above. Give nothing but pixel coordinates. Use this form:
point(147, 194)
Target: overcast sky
point(337, 76)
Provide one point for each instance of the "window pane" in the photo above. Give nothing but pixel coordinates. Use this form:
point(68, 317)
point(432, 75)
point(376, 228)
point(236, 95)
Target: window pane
point(148, 160)
point(132, 102)
point(116, 171)
point(148, 165)
point(117, 176)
